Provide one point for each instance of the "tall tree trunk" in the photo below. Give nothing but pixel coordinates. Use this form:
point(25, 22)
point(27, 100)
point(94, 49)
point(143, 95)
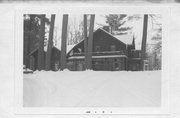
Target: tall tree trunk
point(63, 42)
point(25, 50)
point(27, 44)
point(41, 44)
point(85, 42)
point(90, 42)
point(50, 43)
point(144, 38)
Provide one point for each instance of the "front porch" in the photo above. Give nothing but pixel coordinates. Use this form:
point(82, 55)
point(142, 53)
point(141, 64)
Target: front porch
point(104, 61)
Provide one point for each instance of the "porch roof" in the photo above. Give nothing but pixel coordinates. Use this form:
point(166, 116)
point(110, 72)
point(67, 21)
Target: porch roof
point(98, 57)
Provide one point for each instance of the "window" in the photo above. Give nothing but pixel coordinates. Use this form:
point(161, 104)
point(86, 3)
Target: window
point(113, 48)
point(98, 48)
point(116, 66)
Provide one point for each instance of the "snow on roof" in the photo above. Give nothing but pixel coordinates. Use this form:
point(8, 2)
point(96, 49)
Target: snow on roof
point(69, 47)
point(125, 38)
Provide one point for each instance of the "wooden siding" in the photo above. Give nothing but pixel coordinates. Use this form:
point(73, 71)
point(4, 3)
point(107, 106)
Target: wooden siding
point(55, 59)
point(107, 48)
point(104, 41)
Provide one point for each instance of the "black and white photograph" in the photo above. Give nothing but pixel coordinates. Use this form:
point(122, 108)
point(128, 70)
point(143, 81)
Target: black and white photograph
point(86, 59)
point(92, 60)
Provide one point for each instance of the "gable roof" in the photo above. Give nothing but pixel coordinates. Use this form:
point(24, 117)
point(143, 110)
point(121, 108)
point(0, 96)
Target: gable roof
point(69, 47)
point(125, 38)
point(36, 49)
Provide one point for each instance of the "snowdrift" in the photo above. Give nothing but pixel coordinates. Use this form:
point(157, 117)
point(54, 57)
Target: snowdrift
point(92, 89)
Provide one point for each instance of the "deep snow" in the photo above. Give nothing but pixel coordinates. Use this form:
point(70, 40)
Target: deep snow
point(92, 89)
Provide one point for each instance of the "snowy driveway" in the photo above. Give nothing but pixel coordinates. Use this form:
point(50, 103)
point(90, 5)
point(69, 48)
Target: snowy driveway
point(92, 89)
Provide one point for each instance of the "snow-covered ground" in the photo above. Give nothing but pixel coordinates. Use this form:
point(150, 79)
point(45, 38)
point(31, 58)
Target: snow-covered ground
point(92, 89)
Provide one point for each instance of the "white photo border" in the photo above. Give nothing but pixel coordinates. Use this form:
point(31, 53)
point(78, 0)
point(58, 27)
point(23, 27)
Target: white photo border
point(91, 9)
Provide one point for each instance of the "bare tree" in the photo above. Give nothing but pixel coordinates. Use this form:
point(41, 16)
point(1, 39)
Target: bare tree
point(154, 50)
point(76, 30)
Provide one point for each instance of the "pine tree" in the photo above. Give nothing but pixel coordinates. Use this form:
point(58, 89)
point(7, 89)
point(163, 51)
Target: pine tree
point(115, 21)
point(31, 34)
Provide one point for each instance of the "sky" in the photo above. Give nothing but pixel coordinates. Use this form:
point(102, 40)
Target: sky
point(75, 19)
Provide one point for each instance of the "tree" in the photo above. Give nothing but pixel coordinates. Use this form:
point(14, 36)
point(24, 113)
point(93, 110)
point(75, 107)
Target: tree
point(144, 38)
point(75, 31)
point(41, 44)
point(85, 42)
point(154, 50)
point(115, 21)
point(63, 42)
point(34, 36)
point(133, 17)
point(50, 43)
point(31, 35)
point(90, 42)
